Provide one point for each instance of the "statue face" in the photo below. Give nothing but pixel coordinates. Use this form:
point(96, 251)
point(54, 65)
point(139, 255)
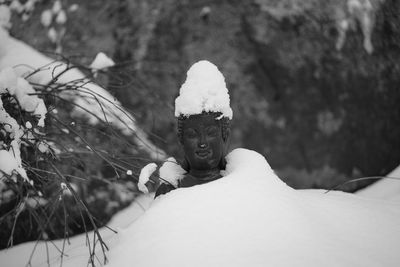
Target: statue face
point(202, 142)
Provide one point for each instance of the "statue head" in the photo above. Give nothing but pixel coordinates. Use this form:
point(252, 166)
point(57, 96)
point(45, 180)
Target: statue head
point(204, 138)
point(203, 113)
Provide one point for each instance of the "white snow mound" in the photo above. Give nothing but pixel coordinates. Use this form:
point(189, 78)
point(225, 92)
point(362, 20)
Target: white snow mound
point(203, 90)
point(251, 218)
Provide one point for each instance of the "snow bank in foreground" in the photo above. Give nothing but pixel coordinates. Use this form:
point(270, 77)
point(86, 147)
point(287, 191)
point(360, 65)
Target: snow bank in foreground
point(90, 100)
point(248, 218)
point(76, 252)
point(251, 218)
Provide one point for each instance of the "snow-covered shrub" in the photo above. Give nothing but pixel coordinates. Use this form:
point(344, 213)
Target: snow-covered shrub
point(66, 147)
point(22, 121)
point(22, 116)
point(60, 173)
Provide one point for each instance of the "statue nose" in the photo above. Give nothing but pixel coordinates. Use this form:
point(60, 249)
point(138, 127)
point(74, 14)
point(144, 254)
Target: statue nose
point(202, 145)
point(202, 141)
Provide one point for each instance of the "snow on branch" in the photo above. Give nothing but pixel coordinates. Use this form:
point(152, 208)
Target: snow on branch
point(20, 89)
point(89, 99)
point(144, 176)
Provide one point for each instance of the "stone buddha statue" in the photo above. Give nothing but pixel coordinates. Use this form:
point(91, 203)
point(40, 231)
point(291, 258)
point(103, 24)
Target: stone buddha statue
point(204, 140)
point(203, 115)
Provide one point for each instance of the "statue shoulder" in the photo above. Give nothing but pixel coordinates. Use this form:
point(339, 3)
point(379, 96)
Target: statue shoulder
point(163, 189)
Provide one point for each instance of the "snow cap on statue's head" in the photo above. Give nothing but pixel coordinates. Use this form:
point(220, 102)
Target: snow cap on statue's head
point(203, 91)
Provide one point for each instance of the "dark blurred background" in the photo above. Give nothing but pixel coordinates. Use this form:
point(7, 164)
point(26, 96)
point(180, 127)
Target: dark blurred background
point(322, 108)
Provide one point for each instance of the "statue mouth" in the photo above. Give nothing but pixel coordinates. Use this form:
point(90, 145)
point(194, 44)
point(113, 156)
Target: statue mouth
point(203, 153)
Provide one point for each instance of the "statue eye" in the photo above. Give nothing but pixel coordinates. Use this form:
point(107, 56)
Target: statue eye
point(190, 133)
point(212, 131)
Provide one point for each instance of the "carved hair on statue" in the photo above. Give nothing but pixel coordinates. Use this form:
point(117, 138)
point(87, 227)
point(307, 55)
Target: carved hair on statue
point(224, 122)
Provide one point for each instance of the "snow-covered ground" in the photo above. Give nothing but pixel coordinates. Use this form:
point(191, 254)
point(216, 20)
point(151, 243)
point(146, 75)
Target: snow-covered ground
point(248, 218)
point(76, 252)
point(251, 218)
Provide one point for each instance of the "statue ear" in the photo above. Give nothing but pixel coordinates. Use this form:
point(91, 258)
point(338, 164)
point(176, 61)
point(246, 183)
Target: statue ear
point(227, 135)
point(222, 164)
point(225, 146)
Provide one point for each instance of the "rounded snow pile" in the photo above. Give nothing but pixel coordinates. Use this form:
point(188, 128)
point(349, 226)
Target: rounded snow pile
point(203, 91)
point(251, 218)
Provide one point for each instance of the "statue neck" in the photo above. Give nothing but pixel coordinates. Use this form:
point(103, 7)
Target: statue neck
point(205, 175)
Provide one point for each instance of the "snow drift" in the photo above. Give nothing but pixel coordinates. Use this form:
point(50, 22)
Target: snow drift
point(251, 218)
point(248, 218)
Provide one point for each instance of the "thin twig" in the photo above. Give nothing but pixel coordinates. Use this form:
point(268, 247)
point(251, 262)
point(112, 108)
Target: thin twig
point(361, 179)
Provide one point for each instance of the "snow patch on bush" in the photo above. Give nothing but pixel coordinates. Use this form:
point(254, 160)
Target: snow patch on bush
point(102, 61)
point(144, 176)
point(23, 92)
